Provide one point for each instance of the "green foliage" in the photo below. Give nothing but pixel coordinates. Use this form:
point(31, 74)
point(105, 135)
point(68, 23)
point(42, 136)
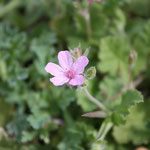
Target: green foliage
point(38, 119)
point(28, 136)
point(128, 100)
point(77, 136)
point(135, 130)
point(114, 55)
point(109, 87)
point(99, 27)
point(35, 114)
point(137, 4)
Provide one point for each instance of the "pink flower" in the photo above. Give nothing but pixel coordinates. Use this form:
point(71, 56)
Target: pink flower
point(91, 1)
point(67, 72)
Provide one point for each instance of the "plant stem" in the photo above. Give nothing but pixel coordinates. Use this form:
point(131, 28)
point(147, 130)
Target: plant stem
point(94, 100)
point(138, 81)
point(9, 7)
point(104, 131)
point(88, 22)
point(130, 77)
point(118, 94)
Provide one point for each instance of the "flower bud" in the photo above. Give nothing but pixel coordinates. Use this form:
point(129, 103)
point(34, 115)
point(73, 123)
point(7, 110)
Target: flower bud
point(77, 52)
point(132, 58)
point(90, 73)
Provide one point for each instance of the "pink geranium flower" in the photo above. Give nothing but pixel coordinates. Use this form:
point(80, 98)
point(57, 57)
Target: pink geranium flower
point(68, 72)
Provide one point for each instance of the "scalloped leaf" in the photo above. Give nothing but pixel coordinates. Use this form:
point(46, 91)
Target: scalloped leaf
point(114, 55)
point(38, 119)
point(135, 128)
point(129, 99)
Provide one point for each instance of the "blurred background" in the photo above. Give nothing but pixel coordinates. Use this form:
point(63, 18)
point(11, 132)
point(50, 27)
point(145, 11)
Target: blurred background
point(36, 115)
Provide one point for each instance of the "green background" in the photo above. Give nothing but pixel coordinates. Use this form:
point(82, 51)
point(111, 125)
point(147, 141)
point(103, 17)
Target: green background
point(34, 114)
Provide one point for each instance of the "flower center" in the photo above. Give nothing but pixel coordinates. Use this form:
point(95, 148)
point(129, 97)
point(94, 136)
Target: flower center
point(70, 74)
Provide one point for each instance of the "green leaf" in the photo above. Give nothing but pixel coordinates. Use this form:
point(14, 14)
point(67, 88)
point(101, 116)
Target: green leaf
point(114, 53)
point(17, 125)
point(135, 129)
point(100, 26)
point(28, 136)
point(38, 119)
point(129, 99)
point(42, 47)
point(140, 34)
point(44, 135)
point(74, 136)
point(135, 5)
point(120, 20)
point(109, 87)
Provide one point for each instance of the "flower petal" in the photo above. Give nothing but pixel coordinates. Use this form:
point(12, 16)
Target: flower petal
point(77, 80)
point(60, 80)
point(54, 69)
point(65, 60)
point(80, 64)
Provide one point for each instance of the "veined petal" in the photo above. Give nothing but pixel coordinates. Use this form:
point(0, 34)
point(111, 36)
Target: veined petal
point(65, 59)
point(80, 63)
point(60, 80)
point(54, 69)
point(77, 80)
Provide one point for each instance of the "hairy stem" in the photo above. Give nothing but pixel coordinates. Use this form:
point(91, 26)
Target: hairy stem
point(88, 22)
point(130, 77)
point(94, 100)
point(104, 130)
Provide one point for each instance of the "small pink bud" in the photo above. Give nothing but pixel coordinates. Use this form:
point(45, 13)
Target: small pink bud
point(132, 58)
point(77, 52)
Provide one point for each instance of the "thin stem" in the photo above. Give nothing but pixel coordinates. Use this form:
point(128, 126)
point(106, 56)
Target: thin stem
point(88, 22)
point(94, 100)
point(117, 95)
point(138, 81)
point(130, 77)
point(105, 131)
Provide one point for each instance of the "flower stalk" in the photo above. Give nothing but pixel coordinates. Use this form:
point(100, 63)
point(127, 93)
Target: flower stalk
point(94, 100)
